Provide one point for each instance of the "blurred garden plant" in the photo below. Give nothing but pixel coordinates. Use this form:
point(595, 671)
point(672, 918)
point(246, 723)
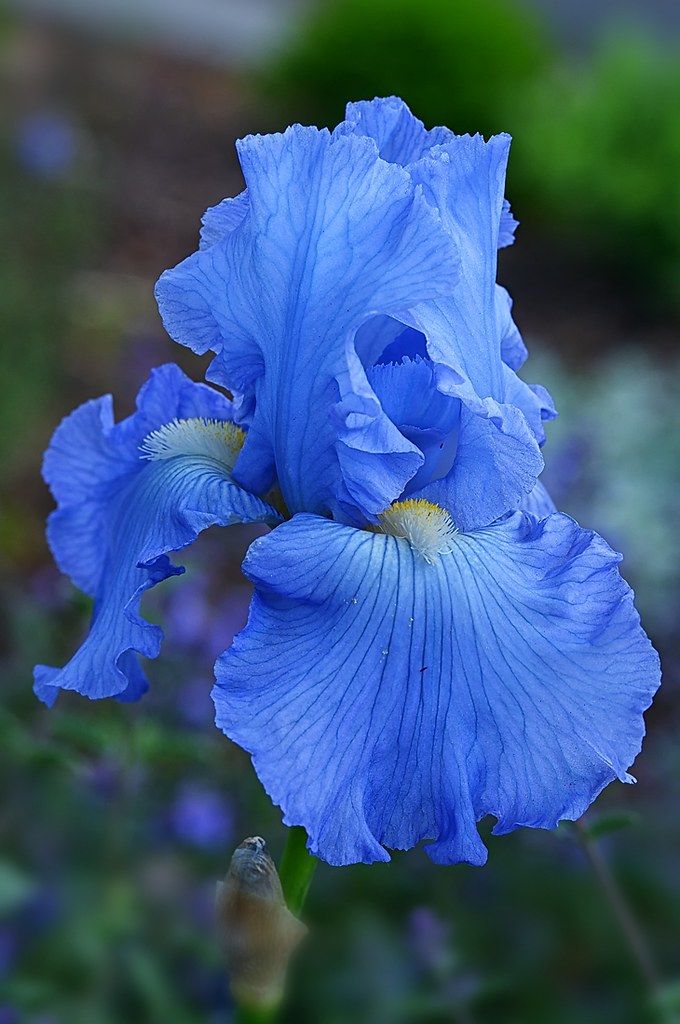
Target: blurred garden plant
point(430, 52)
point(430, 642)
point(605, 172)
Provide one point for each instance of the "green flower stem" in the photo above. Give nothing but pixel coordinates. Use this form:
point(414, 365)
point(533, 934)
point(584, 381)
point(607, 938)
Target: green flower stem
point(296, 869)
point(630, 929)
point(254, 1015)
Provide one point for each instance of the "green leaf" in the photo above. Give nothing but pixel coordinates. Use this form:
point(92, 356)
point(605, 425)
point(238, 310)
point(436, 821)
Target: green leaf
point(613, 821)
point(666, 1003)
point(16, 887)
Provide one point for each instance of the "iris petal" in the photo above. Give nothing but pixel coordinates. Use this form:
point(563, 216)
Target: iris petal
point(219, 221)
point(513, 350)
point(386, 700)
point(496, 466)
point(430, 419)
point(539, 503)
point(118, 515)
point(465, 180)
point(333, 235)
point(401, 138)
point(470, 333)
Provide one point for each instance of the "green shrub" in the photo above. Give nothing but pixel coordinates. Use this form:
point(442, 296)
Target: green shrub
point(454, 61)
point(599, 160)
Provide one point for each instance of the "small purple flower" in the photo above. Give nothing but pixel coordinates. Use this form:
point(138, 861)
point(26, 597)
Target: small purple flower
point(201, 817)
point(8, 949)
point(194, 703)
point(102, 778)
point(47, 144)
point(429, 939)
point(194, 622)
point(48, 588)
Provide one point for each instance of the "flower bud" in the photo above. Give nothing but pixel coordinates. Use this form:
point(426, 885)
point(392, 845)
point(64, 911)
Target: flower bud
point(257, 931)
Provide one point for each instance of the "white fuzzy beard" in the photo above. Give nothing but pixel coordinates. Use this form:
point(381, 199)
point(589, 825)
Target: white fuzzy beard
point(213, 439)
point(427, 527)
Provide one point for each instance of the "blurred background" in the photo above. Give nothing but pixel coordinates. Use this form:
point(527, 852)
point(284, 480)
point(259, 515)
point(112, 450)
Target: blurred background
point(118, 126)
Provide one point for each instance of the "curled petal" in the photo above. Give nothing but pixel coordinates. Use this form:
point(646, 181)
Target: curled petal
point(496, 466)
point(119, 515)
point(400, 137)
point(539, 503)
point(508, 226)
point(430, 419)
point(387, 700)
point(513, 350)
point(219, 221)
point(480, 458)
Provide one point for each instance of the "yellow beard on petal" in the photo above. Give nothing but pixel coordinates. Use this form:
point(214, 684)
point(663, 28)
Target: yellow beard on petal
point(427, 527)
point(213, 439)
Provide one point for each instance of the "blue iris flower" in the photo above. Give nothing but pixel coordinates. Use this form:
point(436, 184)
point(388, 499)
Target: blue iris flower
point(429, 641)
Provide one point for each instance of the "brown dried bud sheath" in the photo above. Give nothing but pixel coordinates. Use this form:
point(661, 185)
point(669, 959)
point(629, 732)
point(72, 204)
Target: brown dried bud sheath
point(257, 931)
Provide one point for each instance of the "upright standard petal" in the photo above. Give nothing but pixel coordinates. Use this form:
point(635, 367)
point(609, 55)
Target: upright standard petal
point(403, 139)
point(463, 177)
point(400, 137)
point(469, 334)
point(127, 494)
point(332, 235)
point(392, 690)
point(472, 334)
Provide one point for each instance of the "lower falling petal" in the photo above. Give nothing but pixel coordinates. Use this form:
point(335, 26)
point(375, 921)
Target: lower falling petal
point(387, 699)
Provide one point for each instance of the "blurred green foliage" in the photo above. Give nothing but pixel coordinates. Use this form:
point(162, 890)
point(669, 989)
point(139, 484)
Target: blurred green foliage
point(47, 230)
point(453, 63)
point(598, 160)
